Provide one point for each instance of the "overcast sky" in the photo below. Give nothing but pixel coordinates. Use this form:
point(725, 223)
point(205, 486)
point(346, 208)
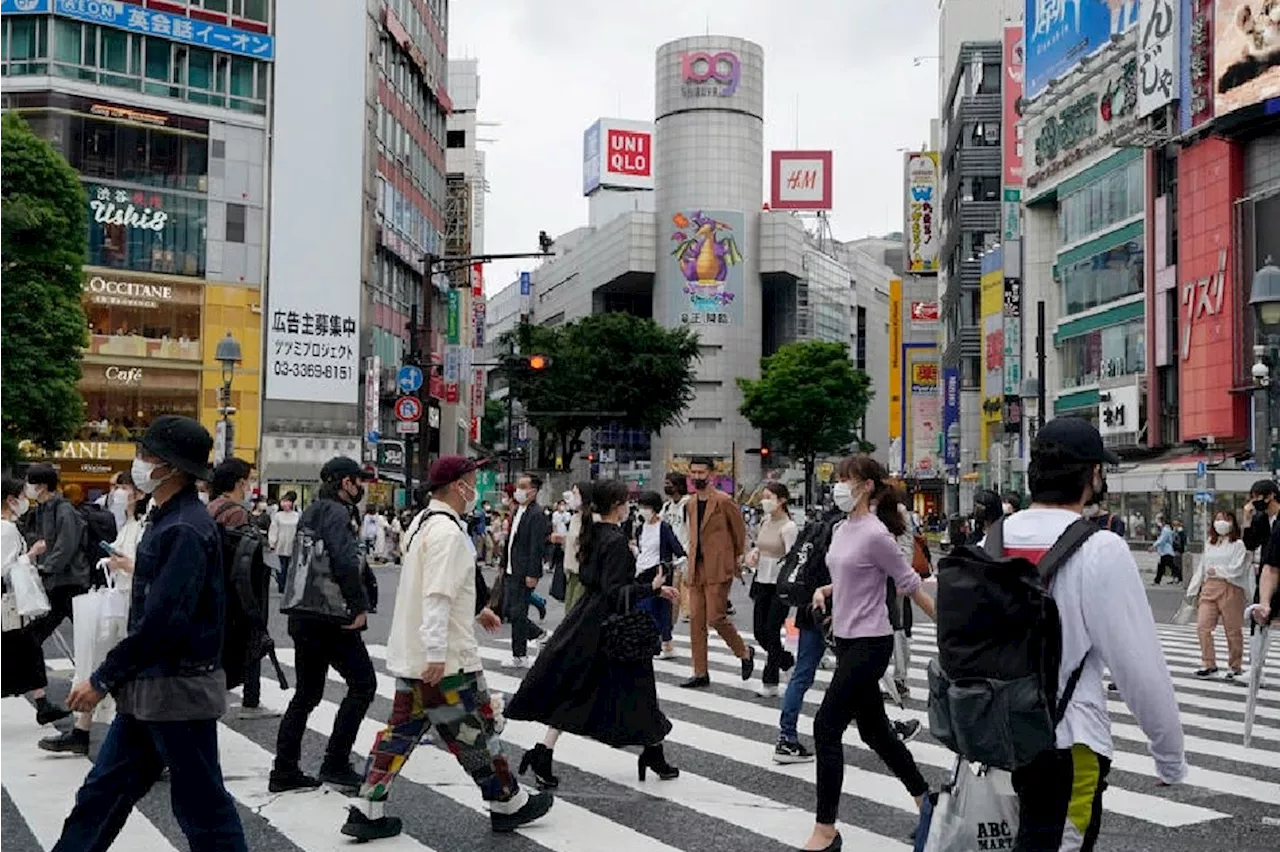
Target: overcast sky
point(549, 68)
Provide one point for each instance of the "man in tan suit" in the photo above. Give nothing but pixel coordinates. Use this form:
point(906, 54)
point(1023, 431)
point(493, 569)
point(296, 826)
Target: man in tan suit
point(717, 542)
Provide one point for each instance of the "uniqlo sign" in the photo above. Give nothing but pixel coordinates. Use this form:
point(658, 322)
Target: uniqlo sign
point(629, 153)
point(617, 154)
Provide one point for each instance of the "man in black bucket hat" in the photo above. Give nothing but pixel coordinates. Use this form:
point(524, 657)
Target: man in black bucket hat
point(166, 674)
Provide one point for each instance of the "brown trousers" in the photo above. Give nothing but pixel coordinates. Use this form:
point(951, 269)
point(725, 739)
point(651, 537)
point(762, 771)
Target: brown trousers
point(708, 607)
point(1221, 600)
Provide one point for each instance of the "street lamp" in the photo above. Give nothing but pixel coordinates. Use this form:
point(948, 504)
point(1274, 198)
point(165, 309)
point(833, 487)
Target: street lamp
point(228, 355)
point(1265, 300)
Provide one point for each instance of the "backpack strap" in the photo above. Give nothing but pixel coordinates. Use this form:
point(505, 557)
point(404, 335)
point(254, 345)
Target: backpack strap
point(1071, 540)
point(994, 542)
point(426, 516)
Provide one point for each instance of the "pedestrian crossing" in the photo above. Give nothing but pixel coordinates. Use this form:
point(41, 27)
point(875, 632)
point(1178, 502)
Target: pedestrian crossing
point(730, 794)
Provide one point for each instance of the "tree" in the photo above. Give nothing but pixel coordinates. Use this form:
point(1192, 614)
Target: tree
point(492, 423)
point(44, 328)
point(808, 400)
point(604, 368)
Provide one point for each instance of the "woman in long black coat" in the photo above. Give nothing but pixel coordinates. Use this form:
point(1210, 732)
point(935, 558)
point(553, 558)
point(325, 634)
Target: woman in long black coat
point(572, 685)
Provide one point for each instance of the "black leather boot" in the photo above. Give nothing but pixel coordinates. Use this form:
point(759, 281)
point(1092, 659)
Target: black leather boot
point(653, 758)
point(539, 760)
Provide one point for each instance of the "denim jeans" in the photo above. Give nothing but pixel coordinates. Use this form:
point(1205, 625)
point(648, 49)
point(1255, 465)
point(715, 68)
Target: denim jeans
point(129, 763)
point(659, 609)
point(808, 655)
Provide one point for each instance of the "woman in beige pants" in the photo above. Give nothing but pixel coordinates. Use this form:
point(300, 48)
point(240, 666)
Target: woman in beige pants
point(1223, 579)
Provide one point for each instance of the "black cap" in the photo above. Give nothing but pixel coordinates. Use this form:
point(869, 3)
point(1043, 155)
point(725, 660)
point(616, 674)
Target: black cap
point(339, 468)
point(1073, 439)
point(180, 442)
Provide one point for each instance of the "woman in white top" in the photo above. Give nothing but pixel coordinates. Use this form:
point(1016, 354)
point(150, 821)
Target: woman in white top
point(120, 564)
point(573, 588)
point(21, 663)
point(657, 548)
point(777, 534)
point(675, 511)
point(284, 529)
point(1222, 578)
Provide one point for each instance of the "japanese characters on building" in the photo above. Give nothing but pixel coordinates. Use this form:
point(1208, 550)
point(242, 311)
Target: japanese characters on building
point(922, 197)
point(1157, 55)
point(314, 356)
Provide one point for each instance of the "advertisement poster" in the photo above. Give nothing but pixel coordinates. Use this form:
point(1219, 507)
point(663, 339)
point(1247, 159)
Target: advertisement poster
point(707, 248)
point(923, 237)
point(1011, 94)
point(1157, 54)
point(1061, 34)
point(1246, 53)
point(1196, 42)
point(1012, 355)
point(951, 416)
point(925, 410)
point(992, 307)
point(895, 358)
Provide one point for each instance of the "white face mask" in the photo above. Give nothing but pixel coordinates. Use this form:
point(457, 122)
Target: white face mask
point(647, 515)
point(521, 496)
point(19, 507)
point(1092, 510)
point(30, 491)
point(141, 472)
point(472, 500)
point(574, 501)
point(769, 505)
point(844, 498)
point(1222, 527)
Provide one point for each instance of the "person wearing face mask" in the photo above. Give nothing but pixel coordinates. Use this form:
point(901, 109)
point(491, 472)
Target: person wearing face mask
point(166, 674)
point(675, 512)
point(117, 500)
point(657, 549)
point(526, 551)
point(283, 531)
point(1221, 584)
point(863, 553)
point(433, 653)
point(775, 537)
point(329, 522)
point(576, 499)
point(1097, 512)
point(717, 545)
point(23, 663)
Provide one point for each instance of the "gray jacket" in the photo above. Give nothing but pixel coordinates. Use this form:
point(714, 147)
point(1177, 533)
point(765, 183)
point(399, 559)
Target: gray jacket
point(62, 528)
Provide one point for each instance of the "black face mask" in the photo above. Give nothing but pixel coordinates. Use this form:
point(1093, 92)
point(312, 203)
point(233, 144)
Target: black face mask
point(1259, 506)
point(358, 496)
point(699, 483)
point(670, 492)
point(1101, 493)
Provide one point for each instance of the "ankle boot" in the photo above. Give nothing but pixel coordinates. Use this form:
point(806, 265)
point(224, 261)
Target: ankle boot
point(653, 758)
point(539, 760)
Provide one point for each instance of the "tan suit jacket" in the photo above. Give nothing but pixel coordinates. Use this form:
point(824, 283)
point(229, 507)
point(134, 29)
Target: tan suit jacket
point(723, 535)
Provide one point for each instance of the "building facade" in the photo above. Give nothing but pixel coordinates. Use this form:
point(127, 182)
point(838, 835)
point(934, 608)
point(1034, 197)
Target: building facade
point(163, 111)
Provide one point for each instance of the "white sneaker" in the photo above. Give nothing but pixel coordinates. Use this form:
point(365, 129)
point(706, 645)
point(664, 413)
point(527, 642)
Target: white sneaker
point(517, 663)
point(767, 691)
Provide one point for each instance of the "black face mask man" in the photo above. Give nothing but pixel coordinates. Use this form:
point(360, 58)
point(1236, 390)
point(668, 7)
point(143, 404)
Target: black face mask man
point(700, 476)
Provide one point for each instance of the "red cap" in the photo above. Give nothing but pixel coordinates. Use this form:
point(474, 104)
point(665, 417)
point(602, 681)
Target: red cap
point(449, 469)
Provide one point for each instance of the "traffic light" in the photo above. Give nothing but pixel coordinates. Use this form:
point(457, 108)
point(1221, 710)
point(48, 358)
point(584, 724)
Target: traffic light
point(762, 452)
point(537, 363)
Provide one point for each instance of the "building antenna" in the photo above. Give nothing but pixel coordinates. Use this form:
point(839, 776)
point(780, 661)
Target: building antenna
point(708, 25)
point(797, 120)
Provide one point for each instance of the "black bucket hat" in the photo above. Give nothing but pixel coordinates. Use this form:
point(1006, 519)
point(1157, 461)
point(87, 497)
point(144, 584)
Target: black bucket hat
point(180, 442)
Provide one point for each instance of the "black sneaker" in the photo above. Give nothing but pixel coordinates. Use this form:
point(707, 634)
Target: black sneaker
point(1210, 672)
point(749, 663)
point(342, 777)
point(907, 731)
point(537, 806)
point(787, 752)
point(50, 713)
point(287, 781)
point(73, 741)
point(364, 829)
point(904, 691)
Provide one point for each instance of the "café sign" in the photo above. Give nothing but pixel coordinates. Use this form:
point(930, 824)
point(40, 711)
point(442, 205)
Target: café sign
point(1086, 124)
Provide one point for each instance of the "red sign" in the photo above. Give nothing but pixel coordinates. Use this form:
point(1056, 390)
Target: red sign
point(451, 393)
point(477, 280)
point(435, 386)
point(628, 152)
point(475, 430)
point(801, 180)
point(408, 408)
point(1014, 56)
point(1210, 358)
point(924, 313)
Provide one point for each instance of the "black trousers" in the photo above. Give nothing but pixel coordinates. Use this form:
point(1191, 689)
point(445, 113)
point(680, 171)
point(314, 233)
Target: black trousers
point(769, 615)
point(59, 611)
point(515, 607)
point(854, 696)
point(1172, 564)
point(1055, 784)
point(317, 646)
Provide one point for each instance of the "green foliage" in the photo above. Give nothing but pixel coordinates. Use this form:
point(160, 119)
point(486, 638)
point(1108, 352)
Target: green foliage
point(808, 400)
point(612, 362)
point(493, 424)
point(44, 328)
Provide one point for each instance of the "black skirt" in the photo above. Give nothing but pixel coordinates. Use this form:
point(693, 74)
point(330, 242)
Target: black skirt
point(21, 663)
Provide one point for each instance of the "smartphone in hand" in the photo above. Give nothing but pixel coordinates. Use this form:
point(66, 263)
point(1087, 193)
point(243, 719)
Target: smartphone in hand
point(108, 549)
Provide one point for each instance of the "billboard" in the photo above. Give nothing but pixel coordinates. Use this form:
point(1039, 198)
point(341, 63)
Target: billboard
point(1196, 33)
point(313, 303)
point(1158, 64)
point(1246, 53)
point(801, 180)
point(895, 359)
point(1011, 94)
point(924, 405)
point(708, 249)
point(951, 416)
point(617, 154)
point(922, 231)
point(992, 308)
point(1013, 355)
point(924, 315)
point(1061, 34)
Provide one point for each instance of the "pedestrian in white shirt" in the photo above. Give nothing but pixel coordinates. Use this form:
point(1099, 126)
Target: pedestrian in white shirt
point(433, 653)
point(281, 535)
point(1221, 583)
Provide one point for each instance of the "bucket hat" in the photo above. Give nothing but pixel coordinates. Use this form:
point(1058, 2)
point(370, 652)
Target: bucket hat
point(180, 442)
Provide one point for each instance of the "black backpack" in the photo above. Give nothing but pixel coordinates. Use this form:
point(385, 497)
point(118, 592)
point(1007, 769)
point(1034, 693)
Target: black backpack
point(247, 579)
point(99, 529)
point(993, 686)
point(802, 568)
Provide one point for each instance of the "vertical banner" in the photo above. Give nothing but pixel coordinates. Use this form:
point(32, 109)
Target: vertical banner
point(921, 229)
point(924, 421)
point(1012, 356)
point(526, 294)
point(479, 315)
point(707, 248)
point(1012, 142)
point(372, 394)
point(951, 417)
point(992, 308)
point(453, 320)
point(1158, 66)
point(477, 280)
point(895, 360)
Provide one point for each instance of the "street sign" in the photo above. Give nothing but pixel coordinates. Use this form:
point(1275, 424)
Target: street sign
point(407, 427)
point(391, 454)
point(372, 437)
point(1204, 496)
point(408, 408)
point(409, 378)
point(1201, 469)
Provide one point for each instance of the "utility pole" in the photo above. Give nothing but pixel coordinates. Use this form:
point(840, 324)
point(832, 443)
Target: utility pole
point(1042, 415)
point(414, 359)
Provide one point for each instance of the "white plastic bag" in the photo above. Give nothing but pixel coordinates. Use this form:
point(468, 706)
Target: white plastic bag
point(1188, 611)
point(100, 619)
point(28, 590)
point(979, 811)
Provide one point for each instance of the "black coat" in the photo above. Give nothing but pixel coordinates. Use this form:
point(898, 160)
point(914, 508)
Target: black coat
point(572, 686)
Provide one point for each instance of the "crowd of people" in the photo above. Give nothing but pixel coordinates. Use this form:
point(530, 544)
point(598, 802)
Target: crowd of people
point(627, 568)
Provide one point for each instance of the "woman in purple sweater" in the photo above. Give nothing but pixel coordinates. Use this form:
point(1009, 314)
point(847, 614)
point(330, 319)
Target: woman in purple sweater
point(862, 554)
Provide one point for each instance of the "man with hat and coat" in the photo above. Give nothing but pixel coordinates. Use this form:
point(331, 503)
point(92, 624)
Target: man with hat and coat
point(433, 653)
point(166, 675)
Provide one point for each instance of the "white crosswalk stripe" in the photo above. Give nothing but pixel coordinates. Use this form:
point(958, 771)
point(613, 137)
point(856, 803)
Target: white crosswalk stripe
point(722, 738)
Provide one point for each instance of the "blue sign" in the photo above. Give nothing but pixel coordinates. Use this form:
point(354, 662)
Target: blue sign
point(1201, 469)
point(409, 379)
point(372, 437)
point(1059, 35)
point(951, 417)
point(526, 284)
point(135, 19)
point(1204, 497)
point(24, 7)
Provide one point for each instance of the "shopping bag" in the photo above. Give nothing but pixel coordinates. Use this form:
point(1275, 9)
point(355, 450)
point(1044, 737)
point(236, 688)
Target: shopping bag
point(87, 626)
point(28, 590)
point(978, 811)
point(1187, 611)
point(115, 602)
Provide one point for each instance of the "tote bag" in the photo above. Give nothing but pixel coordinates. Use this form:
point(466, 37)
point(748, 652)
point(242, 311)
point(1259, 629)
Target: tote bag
point(28, 590)
point(979, 810)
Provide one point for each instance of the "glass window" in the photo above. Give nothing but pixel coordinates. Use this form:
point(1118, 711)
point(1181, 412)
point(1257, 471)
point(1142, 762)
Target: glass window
point(159, 61)
point(254, 10)
point(211, 5)
point(235, 223)
point(26, 44)
point(1103, 278)
point(114, 56)
point(1119, 350)
point(242, 84)
point(146, 230)
point(148, 321)
point(200, 74)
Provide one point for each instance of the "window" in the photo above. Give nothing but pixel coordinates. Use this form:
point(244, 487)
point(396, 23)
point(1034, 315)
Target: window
point(171, 239)
point(242, 83)
point(990, 84)
point(253, 10)
point(1110, 199)
point(1105, 277)
point(25, 45)
point(235, 223)
point(456, 139)
point(211, 5)
point(1118, 350)
point(861, 355)
point(971, 372)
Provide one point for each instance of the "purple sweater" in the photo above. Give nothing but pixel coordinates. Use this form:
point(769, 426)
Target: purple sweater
point(862, 554)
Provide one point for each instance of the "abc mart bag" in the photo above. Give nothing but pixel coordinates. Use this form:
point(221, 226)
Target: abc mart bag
point(977, 810)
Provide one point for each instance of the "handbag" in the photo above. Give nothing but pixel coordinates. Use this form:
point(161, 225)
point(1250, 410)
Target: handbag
point(310, 588)
point(28, 590)
point(559, 583)
point(630, 636)
point(978, 810)
point(1187, 611)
